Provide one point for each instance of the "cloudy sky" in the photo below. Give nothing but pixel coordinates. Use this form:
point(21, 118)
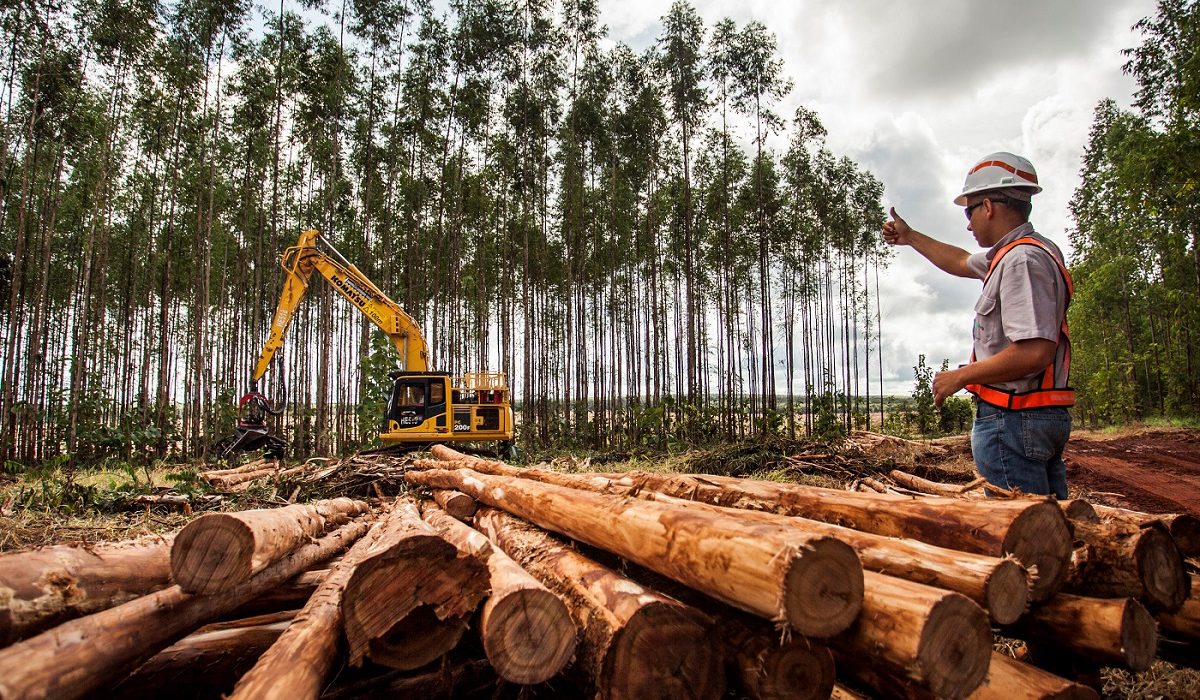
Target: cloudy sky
point(916, 92)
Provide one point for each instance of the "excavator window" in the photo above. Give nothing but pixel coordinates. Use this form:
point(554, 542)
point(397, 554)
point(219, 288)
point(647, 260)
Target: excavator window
point(411, 395)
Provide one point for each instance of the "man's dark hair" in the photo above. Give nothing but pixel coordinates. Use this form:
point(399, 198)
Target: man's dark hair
point(1024, 209)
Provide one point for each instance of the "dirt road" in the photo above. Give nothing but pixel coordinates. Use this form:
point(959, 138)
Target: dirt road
point(1154, 471)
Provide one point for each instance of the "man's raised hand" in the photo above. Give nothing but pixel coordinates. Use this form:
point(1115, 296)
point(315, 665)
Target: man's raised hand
point(897, 231)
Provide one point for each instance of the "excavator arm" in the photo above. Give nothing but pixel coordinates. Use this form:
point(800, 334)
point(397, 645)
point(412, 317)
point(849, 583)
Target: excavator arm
point(312, 253)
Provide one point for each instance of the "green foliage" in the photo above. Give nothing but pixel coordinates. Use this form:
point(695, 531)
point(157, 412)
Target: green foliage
point(1135, 318)
point(922, 394)
point(377, 388)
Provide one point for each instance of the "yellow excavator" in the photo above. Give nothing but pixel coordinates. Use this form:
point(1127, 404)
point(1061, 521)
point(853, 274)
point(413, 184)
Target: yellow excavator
point(424, 407)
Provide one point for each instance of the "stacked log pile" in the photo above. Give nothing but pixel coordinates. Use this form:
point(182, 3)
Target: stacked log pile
point(614, 585)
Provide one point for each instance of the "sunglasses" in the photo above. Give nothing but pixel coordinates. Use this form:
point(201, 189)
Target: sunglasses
point(971, 209)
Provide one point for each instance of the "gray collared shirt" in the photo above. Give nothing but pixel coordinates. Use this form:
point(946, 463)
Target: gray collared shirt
point(1025, 298)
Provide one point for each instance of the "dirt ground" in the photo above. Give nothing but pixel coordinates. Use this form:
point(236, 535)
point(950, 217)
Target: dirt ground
point(1156, 471)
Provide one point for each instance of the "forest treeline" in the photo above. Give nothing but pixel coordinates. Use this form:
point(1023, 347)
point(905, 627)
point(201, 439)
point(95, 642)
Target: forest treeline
point(1135, 318)
point(638, 238)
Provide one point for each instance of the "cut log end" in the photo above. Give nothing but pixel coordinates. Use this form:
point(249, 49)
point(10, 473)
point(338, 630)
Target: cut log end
point(663, 653)
point(823, 588)
point(528, 635)
point(1165, 582)
point(955, 647)
point(1139, 637)
point(212, 554)
point(457, 504)
point(1039, 537)
point(1186, 531)
point(798, 670)
point(1007, 592)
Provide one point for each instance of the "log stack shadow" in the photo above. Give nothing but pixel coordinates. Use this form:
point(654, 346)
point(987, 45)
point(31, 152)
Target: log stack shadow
point(485, 578)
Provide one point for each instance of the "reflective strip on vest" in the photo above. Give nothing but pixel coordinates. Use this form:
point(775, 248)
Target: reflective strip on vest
point(1048, 394)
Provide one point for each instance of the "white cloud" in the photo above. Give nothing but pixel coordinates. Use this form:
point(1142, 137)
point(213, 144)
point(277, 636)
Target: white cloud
point(918, 91)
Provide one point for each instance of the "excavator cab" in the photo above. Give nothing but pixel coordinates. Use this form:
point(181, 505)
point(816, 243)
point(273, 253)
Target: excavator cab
point(434, 406)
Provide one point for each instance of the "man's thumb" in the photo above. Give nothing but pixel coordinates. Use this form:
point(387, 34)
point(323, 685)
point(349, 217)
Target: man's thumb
point(894, 214)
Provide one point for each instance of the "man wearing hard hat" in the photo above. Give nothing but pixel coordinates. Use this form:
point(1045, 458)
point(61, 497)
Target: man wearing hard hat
point(1022, 353)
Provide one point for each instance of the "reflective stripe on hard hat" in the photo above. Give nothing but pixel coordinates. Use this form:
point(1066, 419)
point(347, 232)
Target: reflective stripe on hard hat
point(1048, 393)
point(997, 171)
point(1032, 177)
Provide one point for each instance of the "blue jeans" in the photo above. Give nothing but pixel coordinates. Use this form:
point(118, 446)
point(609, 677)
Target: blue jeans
point(1022, 449)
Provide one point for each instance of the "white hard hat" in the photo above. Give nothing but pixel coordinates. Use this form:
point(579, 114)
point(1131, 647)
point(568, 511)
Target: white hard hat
point(998, 171)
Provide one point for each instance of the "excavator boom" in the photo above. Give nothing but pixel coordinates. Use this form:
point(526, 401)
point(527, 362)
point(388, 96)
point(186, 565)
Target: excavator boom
point(310, 254)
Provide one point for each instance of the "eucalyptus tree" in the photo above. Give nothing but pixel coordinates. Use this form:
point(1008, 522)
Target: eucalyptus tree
point(759, 81)
point(681, 44)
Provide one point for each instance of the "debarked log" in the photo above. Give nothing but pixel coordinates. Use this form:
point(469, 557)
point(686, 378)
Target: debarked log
point(1000, 585)
point(934, 638)
point(214, 657)
point(1184, 527)
point(1181, 630)
point(410, 596)
point(1033, 531)
point(637, 643)
point(813, 583)
point(1007, 679)
point(1120, 559)
point(220, 550)
point(43, 587)
point(297, 664)
point(457, 504)
point(1113, 631)
point(527, 631)
point(83, 655)
point(773, 669)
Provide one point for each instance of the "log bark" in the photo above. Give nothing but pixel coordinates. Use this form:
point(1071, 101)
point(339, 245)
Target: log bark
point(1000, 585)
point(84, 655)
point(812, 583)
point(1184, 528)
point(1120, 559)
point(456, 503)
point(934, 638)
point(410, 596)
point(771, 669)
point(637, 643)
point(220, 550)
point(527, 631)
point(1034, 531)
point(214, 657)
point(45, 587)
point(298, 663)
point(1113, 631)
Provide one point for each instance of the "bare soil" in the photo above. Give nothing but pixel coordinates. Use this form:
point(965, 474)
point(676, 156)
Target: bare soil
point(1156, 471)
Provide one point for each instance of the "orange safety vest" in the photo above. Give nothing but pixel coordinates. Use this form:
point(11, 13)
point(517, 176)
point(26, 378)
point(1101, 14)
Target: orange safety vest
point(1049, 393)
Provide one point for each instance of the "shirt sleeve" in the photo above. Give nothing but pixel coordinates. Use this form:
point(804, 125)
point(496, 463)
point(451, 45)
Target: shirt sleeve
point(1029, 295)
point(978, 264)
